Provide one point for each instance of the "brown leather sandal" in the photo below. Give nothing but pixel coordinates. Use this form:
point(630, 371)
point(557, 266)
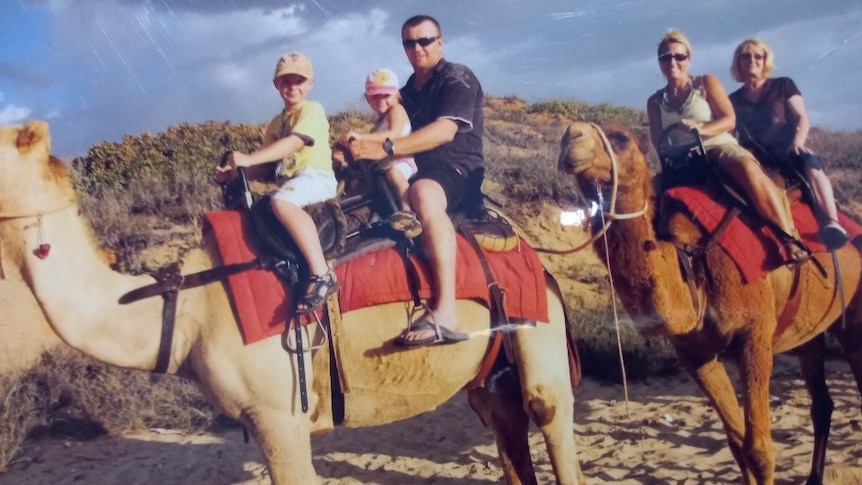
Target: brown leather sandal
point(318, 290)
point(406, 223)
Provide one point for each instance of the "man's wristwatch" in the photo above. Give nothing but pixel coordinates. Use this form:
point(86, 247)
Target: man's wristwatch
point(389, 147)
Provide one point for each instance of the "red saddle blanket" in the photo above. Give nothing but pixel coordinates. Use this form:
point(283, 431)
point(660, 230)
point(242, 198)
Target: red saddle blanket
point(756, 251)
point(262, 304)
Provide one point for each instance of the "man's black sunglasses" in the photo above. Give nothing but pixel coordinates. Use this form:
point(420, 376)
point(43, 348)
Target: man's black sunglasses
point(422, 41)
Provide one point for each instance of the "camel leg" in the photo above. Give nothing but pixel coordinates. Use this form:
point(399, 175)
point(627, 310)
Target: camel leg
point(498, 404)
point(542, 359)
point(712, 378)
point(850, 338)
point(755, 371)
point(812, 365)
point(285, 442)
point(257, 385)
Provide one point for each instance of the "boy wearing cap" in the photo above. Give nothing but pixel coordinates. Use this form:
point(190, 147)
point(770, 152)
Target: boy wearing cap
point(298, 140)
point(381, 93)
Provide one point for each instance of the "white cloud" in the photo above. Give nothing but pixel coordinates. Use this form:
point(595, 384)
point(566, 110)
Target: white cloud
point(12, 114)
point(132, 66)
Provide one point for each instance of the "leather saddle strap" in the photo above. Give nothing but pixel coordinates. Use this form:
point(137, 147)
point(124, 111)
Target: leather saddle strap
point(189, 281)
point(684, 256)
point(169, 313)
point(300, 363)
point(337, 379)
point(722, 226)
point(496, 296)
point(410, 268)
point(788, 313)
point(171, 278)
point(168, 284)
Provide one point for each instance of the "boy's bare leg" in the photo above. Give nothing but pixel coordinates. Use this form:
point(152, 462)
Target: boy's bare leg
point(302, 229)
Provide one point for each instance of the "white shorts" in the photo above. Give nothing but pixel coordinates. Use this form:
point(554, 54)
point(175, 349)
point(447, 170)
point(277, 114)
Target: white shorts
point(308, 186)
point(406, 166)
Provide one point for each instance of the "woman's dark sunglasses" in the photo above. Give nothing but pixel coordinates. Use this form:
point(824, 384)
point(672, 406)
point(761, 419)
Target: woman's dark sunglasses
point(667, 56)
point(749, 56)
point(422, 41)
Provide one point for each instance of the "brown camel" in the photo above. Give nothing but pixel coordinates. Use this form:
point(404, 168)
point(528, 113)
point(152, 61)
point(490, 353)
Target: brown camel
point(739, 319)
point(257, 384)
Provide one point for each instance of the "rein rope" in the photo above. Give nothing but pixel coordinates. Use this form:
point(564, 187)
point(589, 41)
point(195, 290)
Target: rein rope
point(608, 217)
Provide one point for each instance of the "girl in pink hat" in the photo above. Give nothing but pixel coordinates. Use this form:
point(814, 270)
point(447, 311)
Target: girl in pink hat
point(381, 93)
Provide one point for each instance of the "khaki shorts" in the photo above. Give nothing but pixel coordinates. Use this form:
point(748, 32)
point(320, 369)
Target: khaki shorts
point(727, 153)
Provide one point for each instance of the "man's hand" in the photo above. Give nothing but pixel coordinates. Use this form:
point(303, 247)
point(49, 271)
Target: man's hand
point(340, 157)
point(367, 150)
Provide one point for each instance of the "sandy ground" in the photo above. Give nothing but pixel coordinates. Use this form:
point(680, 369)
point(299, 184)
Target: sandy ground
point(665, 434)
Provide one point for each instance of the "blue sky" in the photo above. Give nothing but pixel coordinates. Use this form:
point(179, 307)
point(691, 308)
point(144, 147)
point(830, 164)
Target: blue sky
point(100, 69)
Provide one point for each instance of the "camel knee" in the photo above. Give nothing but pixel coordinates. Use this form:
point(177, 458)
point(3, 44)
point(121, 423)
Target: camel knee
point(541, 404)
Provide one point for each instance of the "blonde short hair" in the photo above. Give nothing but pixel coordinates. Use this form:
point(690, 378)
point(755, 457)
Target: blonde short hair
point(768, 61)
point(673, 36)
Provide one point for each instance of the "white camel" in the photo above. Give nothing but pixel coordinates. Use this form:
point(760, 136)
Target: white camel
point(257, 384)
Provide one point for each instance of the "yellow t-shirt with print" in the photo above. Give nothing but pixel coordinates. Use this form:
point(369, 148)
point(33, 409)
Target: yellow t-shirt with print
point(308, 121)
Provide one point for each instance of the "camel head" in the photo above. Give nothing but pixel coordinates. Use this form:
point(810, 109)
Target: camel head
point(26, 165)
point(586, 150)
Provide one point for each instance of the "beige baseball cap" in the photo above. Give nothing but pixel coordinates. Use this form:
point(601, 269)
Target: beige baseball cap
point(294, 63)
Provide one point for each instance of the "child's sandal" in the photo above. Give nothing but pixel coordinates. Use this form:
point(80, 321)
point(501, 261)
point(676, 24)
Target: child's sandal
point(406, 223)
point(318, 290)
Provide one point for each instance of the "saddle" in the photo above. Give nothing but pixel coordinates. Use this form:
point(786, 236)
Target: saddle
point(684, 162)
point(355, 222)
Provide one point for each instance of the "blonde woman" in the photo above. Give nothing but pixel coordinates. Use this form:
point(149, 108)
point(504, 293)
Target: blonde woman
point(772, 122)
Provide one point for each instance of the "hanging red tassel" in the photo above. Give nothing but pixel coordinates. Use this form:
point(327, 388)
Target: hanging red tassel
point(44, 248)
point(43, 251)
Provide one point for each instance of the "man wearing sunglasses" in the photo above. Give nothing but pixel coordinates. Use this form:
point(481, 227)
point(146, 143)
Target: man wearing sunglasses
point(444, 102)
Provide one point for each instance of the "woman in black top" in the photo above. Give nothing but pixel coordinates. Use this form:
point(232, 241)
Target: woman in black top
point(771, 121)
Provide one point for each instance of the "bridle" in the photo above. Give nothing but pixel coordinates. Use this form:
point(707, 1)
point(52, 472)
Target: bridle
point(37, 214)
point(11, 216)
point(609, 216)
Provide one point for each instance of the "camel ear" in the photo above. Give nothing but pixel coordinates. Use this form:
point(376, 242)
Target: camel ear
point(33, 134)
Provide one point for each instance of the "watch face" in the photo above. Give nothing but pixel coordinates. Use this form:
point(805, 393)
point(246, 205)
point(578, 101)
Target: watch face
point(388, 146)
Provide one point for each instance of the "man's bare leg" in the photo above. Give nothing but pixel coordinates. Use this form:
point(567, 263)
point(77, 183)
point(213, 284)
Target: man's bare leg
point(438, 240)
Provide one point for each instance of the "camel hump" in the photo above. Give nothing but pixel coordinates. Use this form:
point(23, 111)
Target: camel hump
point(33, 134)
